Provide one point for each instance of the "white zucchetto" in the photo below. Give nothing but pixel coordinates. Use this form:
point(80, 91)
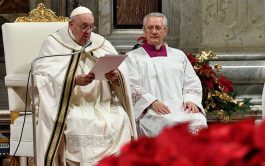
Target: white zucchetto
point(80, 10)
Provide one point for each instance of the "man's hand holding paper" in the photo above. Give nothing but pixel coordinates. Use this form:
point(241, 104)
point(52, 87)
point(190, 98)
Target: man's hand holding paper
point(84, 79)
point(112, 75)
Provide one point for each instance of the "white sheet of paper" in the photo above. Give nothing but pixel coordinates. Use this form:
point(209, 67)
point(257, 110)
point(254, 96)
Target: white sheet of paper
point(105, 64)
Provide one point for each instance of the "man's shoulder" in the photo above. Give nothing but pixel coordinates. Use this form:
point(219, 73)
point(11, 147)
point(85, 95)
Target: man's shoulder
point(135, 51)
point(61, 36)
point(100, 42)
point(175, 51)
point(97, 39)
point(96, 36)
point(61, 31)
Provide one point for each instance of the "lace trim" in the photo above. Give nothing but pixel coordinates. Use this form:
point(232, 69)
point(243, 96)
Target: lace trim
point(193, 92)
point(87, 141)
point(136, 95)
point(195, 129)
point(90, 141)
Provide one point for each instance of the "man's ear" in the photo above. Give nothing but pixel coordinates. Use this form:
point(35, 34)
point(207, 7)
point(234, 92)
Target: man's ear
point(70, 23)
point(166, 30)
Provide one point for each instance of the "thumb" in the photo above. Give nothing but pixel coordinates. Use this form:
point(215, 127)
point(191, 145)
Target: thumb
point(184, 106)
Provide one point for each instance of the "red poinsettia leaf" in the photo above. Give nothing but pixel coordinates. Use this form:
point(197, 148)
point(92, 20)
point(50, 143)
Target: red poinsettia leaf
point(192, 59)
point(223, 154)
point(109, 161)
point(142, 39)
point(225, 84)
point(233, 132)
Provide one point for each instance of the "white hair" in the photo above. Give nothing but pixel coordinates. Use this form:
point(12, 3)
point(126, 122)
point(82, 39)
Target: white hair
point(155, 14)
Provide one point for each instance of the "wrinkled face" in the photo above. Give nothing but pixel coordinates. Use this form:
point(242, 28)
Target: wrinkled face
point(155, 31)
point(81, 27)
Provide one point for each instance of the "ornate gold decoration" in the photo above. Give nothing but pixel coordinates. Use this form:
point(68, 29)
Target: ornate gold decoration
point(204, 56)
point(41, 14)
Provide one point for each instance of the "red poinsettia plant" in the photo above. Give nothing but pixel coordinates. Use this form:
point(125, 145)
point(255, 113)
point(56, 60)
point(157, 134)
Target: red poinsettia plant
point(210, 77)
point(236, 144)
point(219, 96)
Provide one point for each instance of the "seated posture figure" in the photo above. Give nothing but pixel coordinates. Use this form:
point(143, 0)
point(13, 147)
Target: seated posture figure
point(81, 119)
point(165, 87)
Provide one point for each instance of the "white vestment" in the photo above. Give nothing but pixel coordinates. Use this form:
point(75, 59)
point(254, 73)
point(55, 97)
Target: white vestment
point(97, 124)
point(170, 79)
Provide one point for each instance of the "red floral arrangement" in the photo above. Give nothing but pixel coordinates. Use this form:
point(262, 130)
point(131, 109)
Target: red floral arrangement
point(219, 96)
point(224, 144)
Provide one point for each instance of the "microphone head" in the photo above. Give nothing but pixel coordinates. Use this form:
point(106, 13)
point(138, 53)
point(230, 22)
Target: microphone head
point(84, 47)
point(89, 43)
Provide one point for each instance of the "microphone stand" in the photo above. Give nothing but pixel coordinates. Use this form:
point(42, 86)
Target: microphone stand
point(33, 105)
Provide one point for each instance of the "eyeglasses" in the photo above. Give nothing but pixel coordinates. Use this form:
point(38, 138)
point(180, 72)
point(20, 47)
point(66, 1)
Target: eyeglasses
point(85, 27)
point(157, 28)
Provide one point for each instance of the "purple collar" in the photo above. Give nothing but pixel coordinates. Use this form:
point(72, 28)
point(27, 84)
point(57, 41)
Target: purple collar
point(152, 52)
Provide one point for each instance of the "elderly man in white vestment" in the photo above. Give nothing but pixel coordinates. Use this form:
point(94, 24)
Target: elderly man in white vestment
point(81, 119)
point(165, 87)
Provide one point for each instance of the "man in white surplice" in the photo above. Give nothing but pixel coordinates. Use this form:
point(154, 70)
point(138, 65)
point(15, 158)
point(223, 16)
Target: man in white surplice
point(165, 87)
point(81, 119)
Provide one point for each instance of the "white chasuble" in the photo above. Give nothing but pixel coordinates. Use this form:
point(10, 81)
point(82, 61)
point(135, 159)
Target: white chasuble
point(170, 79)
point(97, 123)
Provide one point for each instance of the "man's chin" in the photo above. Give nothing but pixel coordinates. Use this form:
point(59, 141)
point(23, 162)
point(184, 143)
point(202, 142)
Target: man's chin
point(155, 43)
